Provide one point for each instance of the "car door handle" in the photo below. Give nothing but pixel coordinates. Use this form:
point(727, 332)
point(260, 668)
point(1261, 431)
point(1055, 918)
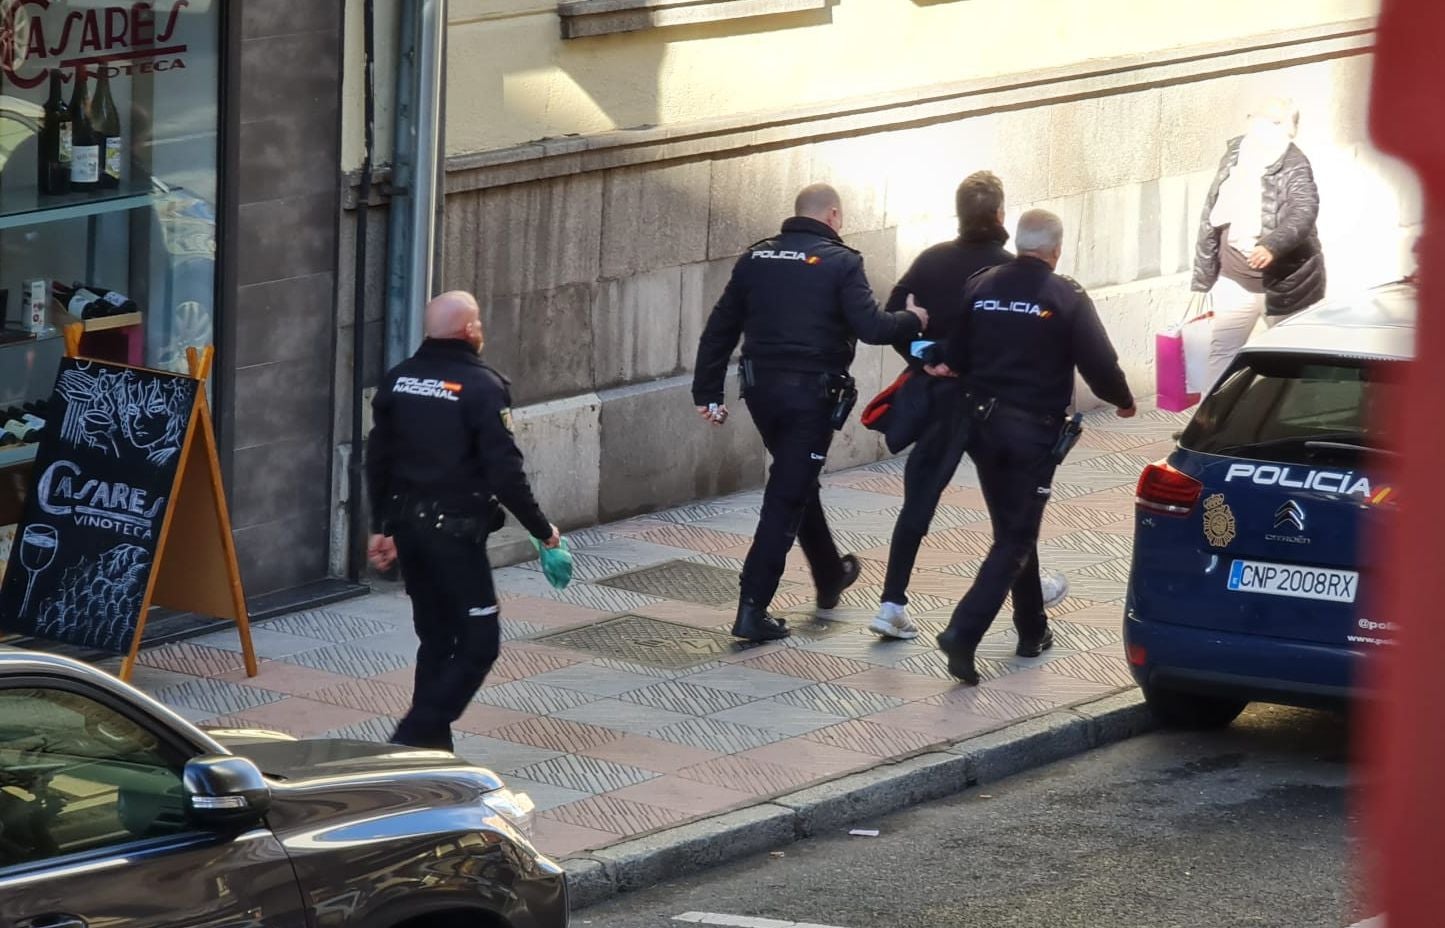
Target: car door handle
point(53, 921)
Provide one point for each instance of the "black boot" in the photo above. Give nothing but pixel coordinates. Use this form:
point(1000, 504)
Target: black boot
point(754, 624)
point(960, 657)
point(828, 599)
point(1033, 647)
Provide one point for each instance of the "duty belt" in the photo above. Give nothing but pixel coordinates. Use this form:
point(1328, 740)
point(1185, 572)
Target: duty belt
point(984, 407)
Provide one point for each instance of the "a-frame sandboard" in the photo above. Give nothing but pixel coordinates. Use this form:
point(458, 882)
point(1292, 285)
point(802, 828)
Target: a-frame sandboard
point(195, 567)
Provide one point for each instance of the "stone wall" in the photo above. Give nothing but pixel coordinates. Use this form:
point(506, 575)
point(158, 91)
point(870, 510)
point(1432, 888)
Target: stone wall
point(597, 260)
point(282, 104)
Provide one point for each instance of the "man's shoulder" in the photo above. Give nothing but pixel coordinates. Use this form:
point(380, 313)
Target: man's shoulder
point(1069, 282)
point(1066, 289)
point(491, 378)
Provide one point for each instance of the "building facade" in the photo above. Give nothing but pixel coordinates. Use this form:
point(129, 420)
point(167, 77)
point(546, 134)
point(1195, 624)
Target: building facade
point(607, 162)
point(214, 212)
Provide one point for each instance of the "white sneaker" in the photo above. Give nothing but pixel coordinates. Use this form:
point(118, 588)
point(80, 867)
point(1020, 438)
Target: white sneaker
point(892, 621)
point(1055, 587)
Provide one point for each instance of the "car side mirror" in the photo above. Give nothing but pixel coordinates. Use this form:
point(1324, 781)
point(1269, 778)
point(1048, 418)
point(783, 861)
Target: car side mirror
point(225, 793)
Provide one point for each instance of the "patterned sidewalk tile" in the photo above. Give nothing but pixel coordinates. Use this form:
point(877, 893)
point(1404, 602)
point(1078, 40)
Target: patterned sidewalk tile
point(650, 753)
point(873, 738)
point(689, 797)
point(622, 705)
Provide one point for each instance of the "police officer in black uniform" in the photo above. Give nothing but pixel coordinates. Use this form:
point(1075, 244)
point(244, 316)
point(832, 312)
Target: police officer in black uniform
point(439, 460)
point(1027, 331)
point(799, 301)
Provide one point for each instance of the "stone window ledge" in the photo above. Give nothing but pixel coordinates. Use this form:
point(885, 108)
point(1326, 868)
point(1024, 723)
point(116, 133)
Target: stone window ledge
point(581, 18)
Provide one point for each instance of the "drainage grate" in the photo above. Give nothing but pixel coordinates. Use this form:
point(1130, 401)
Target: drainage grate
point(686, 581)
point(640, 640)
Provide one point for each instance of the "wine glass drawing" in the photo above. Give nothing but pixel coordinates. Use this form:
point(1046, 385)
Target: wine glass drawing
point(37, 552)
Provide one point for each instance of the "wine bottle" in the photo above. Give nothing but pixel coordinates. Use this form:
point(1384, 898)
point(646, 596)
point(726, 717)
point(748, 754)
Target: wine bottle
point(24, 431)
point(105, 119)
point(94, 302)
point(55, 141)
point(85, 144)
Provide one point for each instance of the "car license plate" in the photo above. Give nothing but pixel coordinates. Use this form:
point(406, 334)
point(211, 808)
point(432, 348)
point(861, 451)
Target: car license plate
point(1336, 586)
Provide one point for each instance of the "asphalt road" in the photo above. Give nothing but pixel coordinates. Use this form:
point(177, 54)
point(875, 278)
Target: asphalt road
point(1246, 827)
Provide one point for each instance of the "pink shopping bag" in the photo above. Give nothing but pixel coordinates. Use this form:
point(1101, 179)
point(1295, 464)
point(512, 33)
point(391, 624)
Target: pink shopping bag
point(1169, 372)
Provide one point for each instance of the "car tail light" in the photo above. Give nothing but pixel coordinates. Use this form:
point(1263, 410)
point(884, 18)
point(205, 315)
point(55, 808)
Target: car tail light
point(1137, 655)
point(1164, 490)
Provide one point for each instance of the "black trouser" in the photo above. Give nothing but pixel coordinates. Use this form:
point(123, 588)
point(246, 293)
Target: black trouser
point(1014, 455)
point(791, 412)
point(454, 609)
point(926, 475)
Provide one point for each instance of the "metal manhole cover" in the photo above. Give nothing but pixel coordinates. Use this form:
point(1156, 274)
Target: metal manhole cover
point(641, 640)
point(685, 581)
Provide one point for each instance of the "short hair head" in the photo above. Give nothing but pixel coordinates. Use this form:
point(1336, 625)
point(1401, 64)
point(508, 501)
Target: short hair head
point(820, 202)
point(455, 315)
point(1040, 234)
point(1281, 111)
point(979, 201)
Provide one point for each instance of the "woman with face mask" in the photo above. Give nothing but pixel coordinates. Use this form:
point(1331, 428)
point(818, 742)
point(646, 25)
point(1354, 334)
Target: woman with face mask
point(1258, 250)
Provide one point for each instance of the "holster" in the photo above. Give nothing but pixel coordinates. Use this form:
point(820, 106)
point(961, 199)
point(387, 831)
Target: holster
point(843, 396)
point(1068, 438)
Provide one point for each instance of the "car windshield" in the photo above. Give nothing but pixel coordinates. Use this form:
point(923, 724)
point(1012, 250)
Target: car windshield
point(1297, 409)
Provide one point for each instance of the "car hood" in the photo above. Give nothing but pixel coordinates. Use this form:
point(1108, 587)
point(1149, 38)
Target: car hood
point(285, 758)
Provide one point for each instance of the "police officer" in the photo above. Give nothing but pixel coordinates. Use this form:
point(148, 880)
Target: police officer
point(440, 457)
point(1028, 329)
point(937, 279)
point(798, 300)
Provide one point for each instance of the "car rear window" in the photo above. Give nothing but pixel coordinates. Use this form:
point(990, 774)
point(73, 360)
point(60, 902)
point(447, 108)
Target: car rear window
point(1296, 409)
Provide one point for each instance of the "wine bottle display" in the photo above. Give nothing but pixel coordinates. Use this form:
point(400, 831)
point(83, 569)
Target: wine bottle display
point(105, 119)
point(94, 302)
point(55, 141)
point(85, 142)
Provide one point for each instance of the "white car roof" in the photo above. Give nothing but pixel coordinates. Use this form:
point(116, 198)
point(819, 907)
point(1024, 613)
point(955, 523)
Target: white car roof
point(1378, 324)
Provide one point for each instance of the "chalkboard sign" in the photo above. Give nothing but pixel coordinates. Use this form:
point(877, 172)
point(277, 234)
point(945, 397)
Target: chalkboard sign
point(81, 563)
point(125, 510)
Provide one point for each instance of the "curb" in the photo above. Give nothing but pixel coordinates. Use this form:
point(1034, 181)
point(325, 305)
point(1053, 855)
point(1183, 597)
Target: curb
point(945, 771)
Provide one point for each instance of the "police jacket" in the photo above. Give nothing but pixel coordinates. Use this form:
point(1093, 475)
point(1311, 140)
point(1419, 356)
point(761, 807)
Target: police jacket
point(443, 432)
point(1027, 331)
point(1290, 202)
point(937, 278)
point(799, 301)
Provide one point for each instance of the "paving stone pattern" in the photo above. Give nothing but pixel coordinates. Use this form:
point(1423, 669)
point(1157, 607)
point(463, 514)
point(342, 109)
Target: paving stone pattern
point(621, 704)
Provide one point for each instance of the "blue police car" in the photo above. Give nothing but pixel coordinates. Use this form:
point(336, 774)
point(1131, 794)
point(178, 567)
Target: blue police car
point(1255, 568)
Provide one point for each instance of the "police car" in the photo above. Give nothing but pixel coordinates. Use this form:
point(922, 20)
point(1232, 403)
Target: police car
point(1255, 573)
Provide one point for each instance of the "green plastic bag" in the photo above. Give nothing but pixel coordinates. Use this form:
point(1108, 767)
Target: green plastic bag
point(556, 563)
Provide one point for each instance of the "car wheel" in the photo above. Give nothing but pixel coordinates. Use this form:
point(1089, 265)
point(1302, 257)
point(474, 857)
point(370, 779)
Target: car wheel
point(1190, 710)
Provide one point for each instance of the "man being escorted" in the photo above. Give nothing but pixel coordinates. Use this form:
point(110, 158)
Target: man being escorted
point(937, 278)
point(799, 301)
point(439, 458)
point(1028, 330)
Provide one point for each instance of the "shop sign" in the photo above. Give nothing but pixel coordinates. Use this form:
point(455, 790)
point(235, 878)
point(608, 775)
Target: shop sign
point(129, 38)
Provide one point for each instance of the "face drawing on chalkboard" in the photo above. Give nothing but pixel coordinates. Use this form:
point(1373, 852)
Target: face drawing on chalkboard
point(108, 407)
point(153, 420)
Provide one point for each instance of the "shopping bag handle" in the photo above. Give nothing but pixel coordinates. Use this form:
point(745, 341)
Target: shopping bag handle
point(1200, 306)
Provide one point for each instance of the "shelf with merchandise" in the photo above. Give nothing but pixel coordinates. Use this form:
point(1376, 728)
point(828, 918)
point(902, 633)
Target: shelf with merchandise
point(30, 207)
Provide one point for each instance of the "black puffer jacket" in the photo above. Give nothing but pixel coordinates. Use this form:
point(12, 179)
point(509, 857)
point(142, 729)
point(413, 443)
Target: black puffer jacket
point(1291, 202)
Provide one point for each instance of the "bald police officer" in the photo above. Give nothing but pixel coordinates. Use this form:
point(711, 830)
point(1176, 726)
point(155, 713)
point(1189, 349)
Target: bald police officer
point(799, 301)
point(440, 457)
point(1026, 331)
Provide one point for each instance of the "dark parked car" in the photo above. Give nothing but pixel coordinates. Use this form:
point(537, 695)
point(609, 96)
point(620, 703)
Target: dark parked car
point(116, 813)
point(1256, 548)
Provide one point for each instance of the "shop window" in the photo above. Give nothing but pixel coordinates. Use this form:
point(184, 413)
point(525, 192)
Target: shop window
point(581, 18)
point(108, 154)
